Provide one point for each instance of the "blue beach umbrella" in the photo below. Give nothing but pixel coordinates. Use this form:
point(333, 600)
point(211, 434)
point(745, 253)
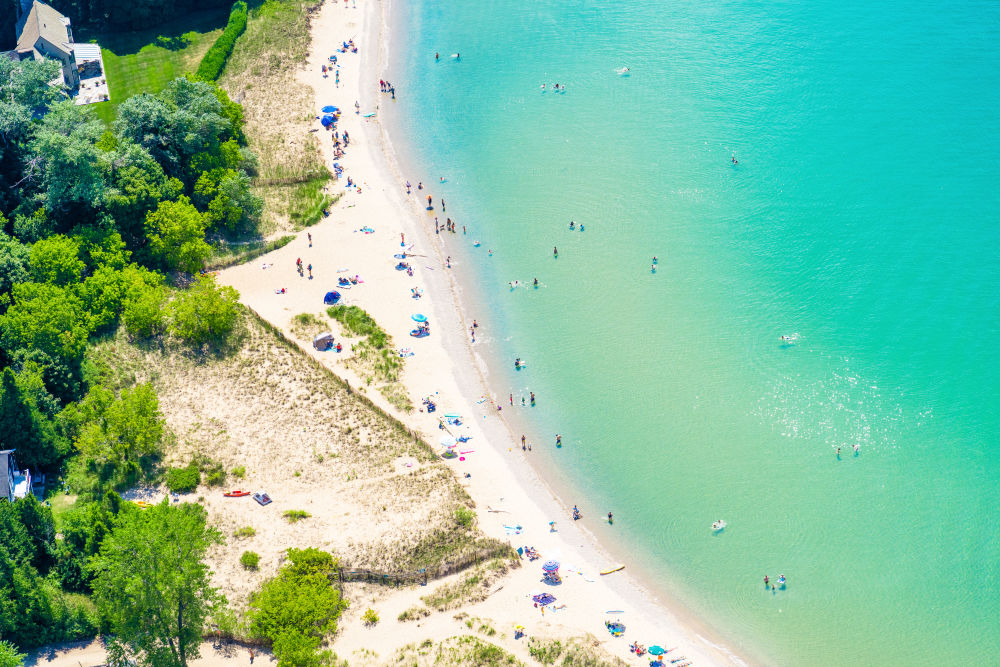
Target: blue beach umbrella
point(656, 650)
point(327, 121)
point(550, 566)
point(418, 317)
point(330, 109)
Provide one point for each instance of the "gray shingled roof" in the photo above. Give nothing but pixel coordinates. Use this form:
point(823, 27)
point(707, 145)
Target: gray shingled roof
point(43, 21)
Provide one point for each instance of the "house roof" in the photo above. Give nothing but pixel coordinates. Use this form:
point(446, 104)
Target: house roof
point(43, 21)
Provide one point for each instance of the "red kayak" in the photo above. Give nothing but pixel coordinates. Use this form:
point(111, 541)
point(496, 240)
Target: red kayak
point(236, 494)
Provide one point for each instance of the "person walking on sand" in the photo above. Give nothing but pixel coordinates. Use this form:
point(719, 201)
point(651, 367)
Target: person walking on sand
point(251, 656)
point(407, 187)
point(523, 439)
point(310, 237)
point(357, 107)
point(448, 261)
point(310, 271)
point(512, 399)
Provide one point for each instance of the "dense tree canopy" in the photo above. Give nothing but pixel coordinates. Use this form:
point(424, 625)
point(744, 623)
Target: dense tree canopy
point(100, 227)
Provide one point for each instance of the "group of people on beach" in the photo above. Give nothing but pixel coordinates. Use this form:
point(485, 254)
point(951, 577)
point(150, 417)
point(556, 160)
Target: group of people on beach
point(386, 87)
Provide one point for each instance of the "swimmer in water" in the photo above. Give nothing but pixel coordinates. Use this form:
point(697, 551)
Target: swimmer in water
point(572, 225)
point(735, 161)
point(655, 261)
point(536, 282)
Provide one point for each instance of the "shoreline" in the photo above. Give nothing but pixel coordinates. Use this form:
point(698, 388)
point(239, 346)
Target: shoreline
point(443, 300)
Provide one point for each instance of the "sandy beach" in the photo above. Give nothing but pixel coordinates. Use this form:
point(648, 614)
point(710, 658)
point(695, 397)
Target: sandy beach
point(496, 473)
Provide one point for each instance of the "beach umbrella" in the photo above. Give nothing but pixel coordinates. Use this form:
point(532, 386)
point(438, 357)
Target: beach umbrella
point(418, 317)
point(448, 441)
point(327, 121)
point(656, 650)
point(550, 566)
point(330, 109)
point(331, 298)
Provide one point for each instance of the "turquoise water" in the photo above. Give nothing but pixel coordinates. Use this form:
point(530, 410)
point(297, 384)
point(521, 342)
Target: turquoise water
point(863, 215)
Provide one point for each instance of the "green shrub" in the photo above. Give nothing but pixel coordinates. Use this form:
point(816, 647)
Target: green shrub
point(216, 57)
point(296, 515)
point(465, 516)
point(204, 313)
point(249, 560)
point(370, 617)
point(183, 480)
point(245, 531)
point(239, 472)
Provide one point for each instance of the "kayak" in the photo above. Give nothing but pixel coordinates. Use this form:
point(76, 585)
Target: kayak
point(236, 494)
point(613, 569)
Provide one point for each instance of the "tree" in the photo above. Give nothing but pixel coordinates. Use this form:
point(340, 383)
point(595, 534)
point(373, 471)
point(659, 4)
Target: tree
point(57, 260)
point(13, 262)
point(136, 184)
point(116, 437)
point(9, 656)
point(64, 150)
point(204, 313)
point(298, 608)
point(49, 324)
point(106, 293)
point(153, 585)
point(176, 233)
point(183, 120)
point(225, 195)
point(26, 419)
point(142, 313)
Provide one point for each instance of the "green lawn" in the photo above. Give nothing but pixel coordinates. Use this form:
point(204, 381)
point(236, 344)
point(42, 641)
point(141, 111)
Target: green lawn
point(134, 63)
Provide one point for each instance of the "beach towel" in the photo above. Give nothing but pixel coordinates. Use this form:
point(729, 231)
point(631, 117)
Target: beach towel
point(544, 598)
point(513, 530)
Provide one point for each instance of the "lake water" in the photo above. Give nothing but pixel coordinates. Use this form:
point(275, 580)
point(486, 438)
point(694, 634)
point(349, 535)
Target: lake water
point(862, 216)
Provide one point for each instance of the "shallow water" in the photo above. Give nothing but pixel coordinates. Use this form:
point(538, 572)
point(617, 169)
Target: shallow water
point(862, 216)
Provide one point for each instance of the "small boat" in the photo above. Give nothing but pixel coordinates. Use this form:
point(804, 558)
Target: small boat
point(236, 494)
point(262, 498)
point(718, 525)
point(611, 570)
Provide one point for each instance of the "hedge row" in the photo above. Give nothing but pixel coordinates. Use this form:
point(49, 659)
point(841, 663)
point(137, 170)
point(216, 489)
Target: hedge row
point(216, 57)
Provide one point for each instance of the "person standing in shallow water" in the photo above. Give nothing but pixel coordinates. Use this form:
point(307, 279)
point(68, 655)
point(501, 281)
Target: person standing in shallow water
point(430, 203)
point(555, 251)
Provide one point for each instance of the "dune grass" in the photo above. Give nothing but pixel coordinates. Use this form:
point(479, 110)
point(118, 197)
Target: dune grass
point(261, 74)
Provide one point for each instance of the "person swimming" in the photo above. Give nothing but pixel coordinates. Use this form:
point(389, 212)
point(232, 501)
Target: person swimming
point(572, 224)
point(735, 161)
point(536, 282)
point(622, 71)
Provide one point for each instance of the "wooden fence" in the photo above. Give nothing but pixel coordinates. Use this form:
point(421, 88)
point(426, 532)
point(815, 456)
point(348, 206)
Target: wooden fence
point(349, 575)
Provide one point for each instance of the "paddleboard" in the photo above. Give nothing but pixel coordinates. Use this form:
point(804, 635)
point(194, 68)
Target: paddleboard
point(613, 569)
